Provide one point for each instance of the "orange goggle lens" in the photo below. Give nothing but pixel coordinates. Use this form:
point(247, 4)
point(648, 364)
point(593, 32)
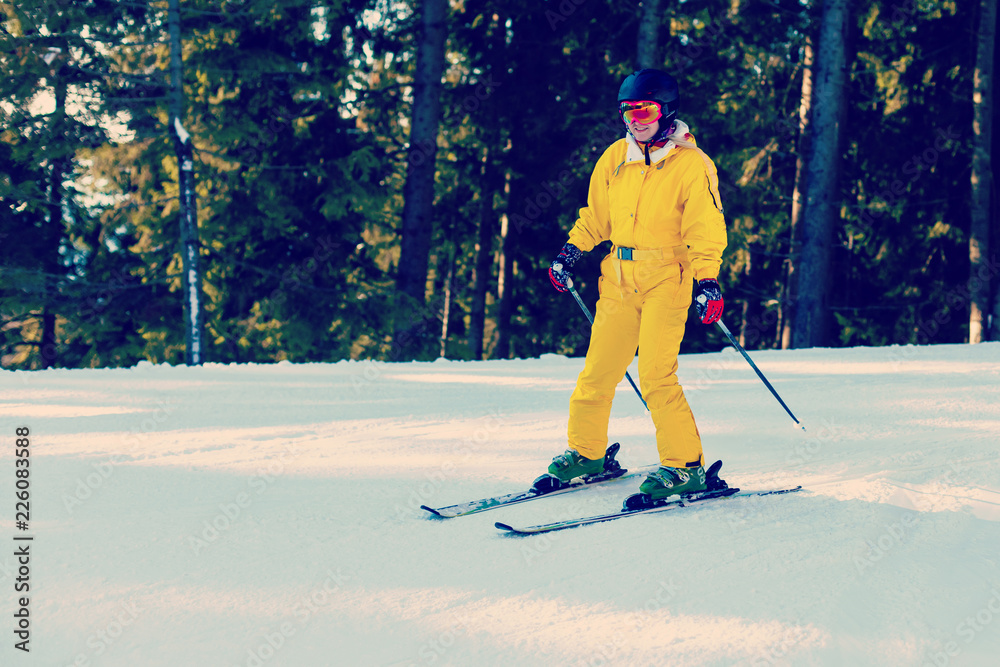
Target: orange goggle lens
point(640, 112)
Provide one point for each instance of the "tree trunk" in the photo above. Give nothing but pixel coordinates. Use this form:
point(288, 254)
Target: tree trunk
point(744, 314)
point(59, 166)
point(418, 191)
point(649, 32)
point(446, 314)
point(995, 204)
point(787, 302)
point(194, 355)
point(505, 280)
point(812, 313)
point(48, 348)
point(980, 272)
point(495, 67)
point(484, 259)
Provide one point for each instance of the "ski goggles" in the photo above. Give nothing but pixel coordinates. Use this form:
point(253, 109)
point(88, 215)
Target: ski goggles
point(644, 112)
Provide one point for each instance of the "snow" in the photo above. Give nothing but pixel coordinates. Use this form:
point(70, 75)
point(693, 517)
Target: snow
point(182, 133)
point(265, 515)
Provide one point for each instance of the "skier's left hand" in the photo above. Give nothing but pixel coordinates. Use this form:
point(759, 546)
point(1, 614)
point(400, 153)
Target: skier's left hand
point(708, 300)
point(561, 269)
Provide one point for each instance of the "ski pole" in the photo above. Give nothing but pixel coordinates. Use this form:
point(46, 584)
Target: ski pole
point(586, 311)
point(767, 384)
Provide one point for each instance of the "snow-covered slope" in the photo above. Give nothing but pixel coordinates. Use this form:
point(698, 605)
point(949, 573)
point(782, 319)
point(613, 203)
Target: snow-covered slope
point(268, 515)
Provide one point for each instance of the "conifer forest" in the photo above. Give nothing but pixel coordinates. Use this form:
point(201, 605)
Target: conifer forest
point(234, 181)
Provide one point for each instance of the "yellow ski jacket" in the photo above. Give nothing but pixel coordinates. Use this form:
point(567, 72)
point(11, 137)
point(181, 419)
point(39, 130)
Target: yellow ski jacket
point(669, 209)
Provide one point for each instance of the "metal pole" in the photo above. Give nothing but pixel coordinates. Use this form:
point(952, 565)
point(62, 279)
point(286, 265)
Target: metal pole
point(746, 356)
point(586, 311)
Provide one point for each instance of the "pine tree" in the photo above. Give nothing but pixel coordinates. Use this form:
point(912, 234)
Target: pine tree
point(982, 255)
point(417, 223)
point(821, 200)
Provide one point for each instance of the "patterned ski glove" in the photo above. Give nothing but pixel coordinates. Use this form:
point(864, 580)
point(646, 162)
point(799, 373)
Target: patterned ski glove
point(708, 300)
point(560, 271)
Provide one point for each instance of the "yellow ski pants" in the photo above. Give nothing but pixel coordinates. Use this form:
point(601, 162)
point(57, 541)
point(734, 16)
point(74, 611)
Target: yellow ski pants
point(643, 304)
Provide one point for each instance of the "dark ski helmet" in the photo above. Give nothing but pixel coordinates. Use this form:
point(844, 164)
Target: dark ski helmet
point(660, 87)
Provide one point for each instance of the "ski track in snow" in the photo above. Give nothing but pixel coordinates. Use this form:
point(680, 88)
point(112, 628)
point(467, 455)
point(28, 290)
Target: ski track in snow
point(267, 515)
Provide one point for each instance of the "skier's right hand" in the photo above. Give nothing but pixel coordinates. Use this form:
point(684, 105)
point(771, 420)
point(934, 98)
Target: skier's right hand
point(708, 300)
point(560, 271)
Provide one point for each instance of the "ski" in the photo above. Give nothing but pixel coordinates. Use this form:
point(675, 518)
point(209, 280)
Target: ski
point(663, 506)
point(543, 487)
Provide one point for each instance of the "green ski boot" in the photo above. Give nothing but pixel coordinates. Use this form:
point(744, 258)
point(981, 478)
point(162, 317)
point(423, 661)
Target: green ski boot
point(571, 464)
point(667, 482)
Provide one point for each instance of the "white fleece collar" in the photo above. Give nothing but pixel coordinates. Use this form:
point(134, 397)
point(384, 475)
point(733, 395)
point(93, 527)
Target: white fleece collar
point(634, 152)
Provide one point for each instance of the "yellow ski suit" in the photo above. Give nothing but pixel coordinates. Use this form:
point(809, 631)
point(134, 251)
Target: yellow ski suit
point(667, 229)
